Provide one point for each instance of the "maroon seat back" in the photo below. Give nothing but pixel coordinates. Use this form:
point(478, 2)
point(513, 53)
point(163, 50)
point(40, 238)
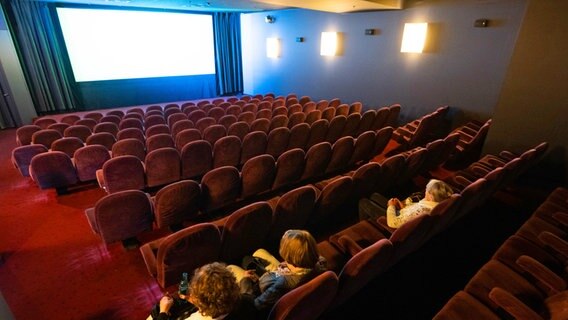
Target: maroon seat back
point(257, 175)
point(104, 139)
point(361, 269)
point(336, 126)
point(68, 145)
point(366, 122)
point(130, 146)
point(163, 166)
point(196, 159)
point(341, 153)
point(123, 173)
point(277, 143)
point(244, 231)
point(158, 141)
point(89, 159)
point(254, 144)
point(109, 127)
point(299, 135)
point(22, 157)
point(53, 169)
point(46, 137)
point(318, 132)
point(176, 203)
point(289, 168)
point(220, 187)
point(308, 301)
point(121, 215)
point(317, 160)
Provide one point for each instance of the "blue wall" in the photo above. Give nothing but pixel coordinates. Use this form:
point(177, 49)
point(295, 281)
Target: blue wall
point(463, 66)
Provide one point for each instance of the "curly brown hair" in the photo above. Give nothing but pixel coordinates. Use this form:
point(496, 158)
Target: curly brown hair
point(214, 290)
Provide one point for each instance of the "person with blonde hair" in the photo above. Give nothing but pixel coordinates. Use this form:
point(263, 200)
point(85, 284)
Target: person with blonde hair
point(302, 262)
point(399, 212)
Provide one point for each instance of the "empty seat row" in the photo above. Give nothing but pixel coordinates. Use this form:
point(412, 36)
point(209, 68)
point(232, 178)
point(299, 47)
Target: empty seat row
point(253, 143)
point(420, 131)
point(208, 128)
point(526, 276)
point(90, 119)
point(301, 136)
point(468, 150)
point(198, 160)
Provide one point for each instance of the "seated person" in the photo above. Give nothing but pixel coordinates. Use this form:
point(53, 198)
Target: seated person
point(301, 263)
point(398, 212)
point(213, 294)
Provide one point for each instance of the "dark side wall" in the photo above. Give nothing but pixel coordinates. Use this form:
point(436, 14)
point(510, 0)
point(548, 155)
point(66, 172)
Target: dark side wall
point(533, 105)
point(463, 66)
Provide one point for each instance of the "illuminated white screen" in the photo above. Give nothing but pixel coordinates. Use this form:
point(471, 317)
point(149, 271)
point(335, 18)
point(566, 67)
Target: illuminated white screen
point(120, 44)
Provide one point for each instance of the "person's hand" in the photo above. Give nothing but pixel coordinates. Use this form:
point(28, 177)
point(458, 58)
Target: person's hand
point(251, 274)
point(395, 202)
point(166, 303)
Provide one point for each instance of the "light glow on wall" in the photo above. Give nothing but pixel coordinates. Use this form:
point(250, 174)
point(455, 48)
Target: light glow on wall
point(272, 47)
point(414, 37)
point(328, 44)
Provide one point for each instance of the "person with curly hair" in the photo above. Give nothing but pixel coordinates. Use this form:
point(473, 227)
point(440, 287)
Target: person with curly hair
point(214, 292)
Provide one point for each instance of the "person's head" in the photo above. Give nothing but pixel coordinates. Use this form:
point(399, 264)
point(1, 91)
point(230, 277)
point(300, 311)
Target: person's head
point(299, 248)
point(213, 289)
point(438, 190)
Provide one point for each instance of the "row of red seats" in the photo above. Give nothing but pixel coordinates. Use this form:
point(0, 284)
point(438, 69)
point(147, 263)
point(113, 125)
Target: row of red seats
point(226, 187)
point(526, 276)
point(254, 143)
point(152, 116)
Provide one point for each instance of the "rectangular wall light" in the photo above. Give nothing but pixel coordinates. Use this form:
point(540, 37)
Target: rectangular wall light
point(414, 37)
point(272, 47)
point(328, 44)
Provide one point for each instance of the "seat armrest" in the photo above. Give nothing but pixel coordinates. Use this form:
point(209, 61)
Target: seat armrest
point(348, 245)
point(561, 218)
point(515, 307)
point(551, 280)
point(383, 226)
point(555, 243)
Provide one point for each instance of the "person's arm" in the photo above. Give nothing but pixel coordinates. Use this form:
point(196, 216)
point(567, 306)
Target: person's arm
point(405, 214)
point(395, 218)
point(271, 294)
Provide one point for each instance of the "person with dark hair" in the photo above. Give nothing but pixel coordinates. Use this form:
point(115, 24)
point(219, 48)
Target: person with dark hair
point(301, 263)
point(214, 294)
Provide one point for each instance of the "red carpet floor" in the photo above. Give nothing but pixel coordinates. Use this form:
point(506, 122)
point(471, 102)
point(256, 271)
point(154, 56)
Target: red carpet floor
point(53, 265)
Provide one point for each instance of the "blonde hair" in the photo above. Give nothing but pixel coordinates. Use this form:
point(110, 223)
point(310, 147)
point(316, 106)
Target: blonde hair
point(214, 290)
point(299, 248)
point(439, 190)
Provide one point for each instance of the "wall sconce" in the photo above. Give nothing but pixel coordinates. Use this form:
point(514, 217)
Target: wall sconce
point(272, 47)
point(269, 19)
point(414, 37)
point(328, 44)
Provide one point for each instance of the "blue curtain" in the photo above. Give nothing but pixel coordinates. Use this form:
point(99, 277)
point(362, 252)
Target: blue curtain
point(49, 79)
point(228, 54)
